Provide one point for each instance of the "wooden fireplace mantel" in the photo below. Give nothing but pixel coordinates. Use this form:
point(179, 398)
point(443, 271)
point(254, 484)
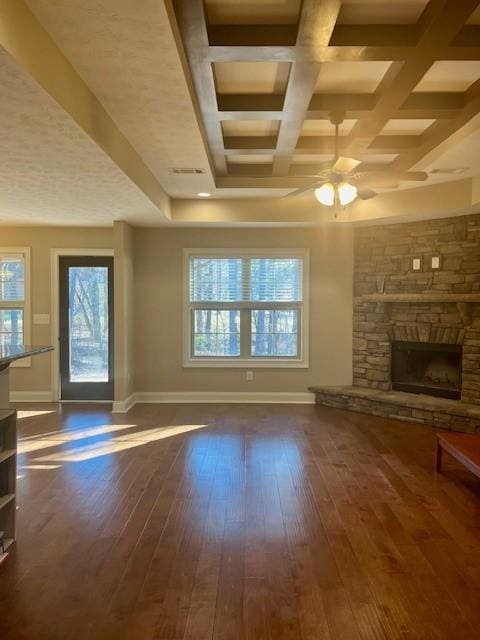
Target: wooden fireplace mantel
point(462, 300)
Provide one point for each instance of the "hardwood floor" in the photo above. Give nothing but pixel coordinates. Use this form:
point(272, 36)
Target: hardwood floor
point(234, 522)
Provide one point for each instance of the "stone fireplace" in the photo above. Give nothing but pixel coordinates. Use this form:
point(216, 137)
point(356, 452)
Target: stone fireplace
point(416, 333)
point(440, 307)
point(427, 367)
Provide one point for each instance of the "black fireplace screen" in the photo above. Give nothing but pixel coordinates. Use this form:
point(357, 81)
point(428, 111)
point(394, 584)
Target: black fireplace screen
point(426, 367)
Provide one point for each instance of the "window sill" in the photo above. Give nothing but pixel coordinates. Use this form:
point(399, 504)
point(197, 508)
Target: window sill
point(246, 363)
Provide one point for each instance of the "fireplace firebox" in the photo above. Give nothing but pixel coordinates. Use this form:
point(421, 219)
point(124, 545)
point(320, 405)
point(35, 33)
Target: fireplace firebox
point(426, 367)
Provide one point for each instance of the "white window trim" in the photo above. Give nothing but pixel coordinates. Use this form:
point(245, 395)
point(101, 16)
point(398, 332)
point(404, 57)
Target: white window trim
point(27, 303)
point(300, 362)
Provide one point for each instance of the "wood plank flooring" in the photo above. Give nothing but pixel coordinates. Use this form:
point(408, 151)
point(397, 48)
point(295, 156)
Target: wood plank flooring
point(231, 522)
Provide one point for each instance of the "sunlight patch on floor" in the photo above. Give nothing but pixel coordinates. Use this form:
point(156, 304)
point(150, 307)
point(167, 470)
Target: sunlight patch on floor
point(118, 443)
point(32, 414)
point(60, 437)
point(39, 466)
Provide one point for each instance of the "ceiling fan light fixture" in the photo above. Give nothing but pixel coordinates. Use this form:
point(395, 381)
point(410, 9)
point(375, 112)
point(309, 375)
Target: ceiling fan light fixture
point(326, 194)
point(346, 193)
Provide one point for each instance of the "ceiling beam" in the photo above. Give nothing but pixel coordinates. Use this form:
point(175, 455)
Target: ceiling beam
point(442, 136)
point(299, 181)
point(374, 35)
point(191, 21)
point(270, 106)
point(439, 23)
point(284, 53)
point(258, 35)
point(247, 143)
point(468, 36)
point(342, 102)
point(441, 33)
point(316, 23)
point(23, 37)
point(250, 102)
point(394, 143)
point(269, 53)
point(254, 169)
point(262, 182)
point(381, 144)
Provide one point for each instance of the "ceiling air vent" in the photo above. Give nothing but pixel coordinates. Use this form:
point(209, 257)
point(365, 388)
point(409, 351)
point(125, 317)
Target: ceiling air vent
point(187, 170)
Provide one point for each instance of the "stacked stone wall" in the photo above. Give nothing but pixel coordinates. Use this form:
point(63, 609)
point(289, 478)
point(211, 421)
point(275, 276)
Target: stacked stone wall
point(383, 259)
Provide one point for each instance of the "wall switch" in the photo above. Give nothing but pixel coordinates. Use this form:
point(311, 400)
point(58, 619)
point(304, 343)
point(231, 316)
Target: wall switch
point(435, 262)
point(416, 264)
point(41, 318)
point(249, 376)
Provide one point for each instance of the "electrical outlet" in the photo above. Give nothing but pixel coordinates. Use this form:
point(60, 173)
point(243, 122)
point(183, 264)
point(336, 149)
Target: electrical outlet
point(435, 262)
point(416, 264)
point(249, 376)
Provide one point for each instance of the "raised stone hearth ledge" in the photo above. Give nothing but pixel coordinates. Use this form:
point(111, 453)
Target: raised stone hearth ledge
point(437, 412)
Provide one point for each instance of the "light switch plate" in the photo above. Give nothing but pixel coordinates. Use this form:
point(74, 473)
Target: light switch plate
point(41, 318)
point(417, 264)
point(435, 262)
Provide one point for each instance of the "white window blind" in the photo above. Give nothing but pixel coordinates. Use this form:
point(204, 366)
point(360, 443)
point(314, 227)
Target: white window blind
point(247, 307)
point(12, 278)
point(247, 279)
point(14, 302)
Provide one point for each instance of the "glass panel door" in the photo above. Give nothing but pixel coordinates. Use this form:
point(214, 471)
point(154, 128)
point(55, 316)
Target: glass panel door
point(86, 328)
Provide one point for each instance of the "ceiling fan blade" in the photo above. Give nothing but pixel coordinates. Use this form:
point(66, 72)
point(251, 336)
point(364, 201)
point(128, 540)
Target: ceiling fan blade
point(387, 178)
point(409, 176)
point(298, 192)
point(345, 165)
point(365, 193)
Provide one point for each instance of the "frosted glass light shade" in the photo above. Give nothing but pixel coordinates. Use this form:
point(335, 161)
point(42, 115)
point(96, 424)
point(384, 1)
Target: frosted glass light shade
point(326, 194)
point(346, 193)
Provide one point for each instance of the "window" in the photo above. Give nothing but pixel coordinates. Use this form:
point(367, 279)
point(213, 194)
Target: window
point(14, 298)
point(246, 308)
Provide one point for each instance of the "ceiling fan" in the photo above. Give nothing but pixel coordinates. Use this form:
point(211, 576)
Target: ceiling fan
point(339, 185)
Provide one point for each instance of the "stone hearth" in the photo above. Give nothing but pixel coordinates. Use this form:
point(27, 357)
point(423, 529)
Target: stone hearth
point(411, 407)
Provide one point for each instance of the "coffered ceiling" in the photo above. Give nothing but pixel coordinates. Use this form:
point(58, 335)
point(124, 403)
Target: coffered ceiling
point(405, 74)
point(242, 92)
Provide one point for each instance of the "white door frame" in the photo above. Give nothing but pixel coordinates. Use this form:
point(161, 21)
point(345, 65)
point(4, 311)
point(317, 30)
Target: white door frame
point(55, 255)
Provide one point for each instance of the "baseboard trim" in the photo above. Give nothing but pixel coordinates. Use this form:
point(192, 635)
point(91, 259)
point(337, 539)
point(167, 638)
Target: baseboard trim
point(182, 397)
point(122, 406)
point(31, 396)
point(211, 397)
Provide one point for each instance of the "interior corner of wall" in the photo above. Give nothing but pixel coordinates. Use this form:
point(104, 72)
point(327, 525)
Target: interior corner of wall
point(476, 190)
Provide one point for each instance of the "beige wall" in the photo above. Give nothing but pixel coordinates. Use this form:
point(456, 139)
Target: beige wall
point(37, 377)
point(149, 263)
point(124, 255)
point(158, 304)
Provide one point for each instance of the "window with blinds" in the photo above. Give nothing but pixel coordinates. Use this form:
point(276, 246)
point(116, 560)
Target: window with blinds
point(246, 307)
point(13, 298)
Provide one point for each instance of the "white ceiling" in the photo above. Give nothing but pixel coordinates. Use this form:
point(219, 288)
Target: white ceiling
point(51, 171)
point(129, 59)
point(251, 77)
point(381, 11)
point(252, 11)
point(450, 76)
point(350, 77)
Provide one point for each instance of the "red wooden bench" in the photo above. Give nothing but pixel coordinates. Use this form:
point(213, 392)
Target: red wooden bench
point(464, 447)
